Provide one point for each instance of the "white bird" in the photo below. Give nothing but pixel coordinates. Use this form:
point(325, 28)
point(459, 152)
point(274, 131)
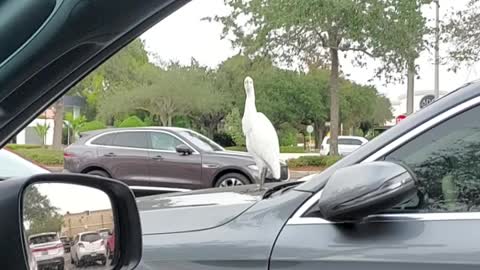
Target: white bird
point(261, 137)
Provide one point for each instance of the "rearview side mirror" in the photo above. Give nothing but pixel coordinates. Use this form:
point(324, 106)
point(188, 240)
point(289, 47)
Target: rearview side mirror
point(27, 234)
point(355, 192)
point(183, 149)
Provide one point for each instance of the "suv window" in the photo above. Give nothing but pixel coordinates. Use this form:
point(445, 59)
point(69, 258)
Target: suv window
point(104, 140)
point(446, 161)
point(43, 239)
point(130, 139)
point(201, 141)
point(349, 142)
point(90, 237)
point(163, 141)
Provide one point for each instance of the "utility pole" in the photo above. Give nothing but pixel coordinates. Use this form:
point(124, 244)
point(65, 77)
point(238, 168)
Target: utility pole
point(437, 48)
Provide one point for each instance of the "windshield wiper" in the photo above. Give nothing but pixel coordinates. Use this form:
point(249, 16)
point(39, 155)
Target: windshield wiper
point(282, 187)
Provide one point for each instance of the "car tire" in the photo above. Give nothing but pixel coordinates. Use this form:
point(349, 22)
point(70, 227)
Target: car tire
point(61, 267)
point(99, 173)
point(232, 179)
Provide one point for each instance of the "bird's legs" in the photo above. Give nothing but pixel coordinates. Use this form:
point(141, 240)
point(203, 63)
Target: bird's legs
point(263, 175)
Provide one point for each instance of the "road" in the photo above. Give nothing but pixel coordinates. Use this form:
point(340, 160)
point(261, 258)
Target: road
point(98, 266)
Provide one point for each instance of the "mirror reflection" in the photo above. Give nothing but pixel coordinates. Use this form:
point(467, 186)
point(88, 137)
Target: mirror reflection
point(68, 226)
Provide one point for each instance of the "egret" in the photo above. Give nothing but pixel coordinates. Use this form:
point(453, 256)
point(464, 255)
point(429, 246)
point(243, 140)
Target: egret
point(261, 137)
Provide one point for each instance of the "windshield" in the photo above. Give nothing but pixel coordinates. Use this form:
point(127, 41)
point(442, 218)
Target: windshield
point(15, 166)
point(90, 237)
point(43, 239)
point(201, 141)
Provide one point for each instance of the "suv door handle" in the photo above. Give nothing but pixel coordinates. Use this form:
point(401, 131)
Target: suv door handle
point(157, 157)
point(109, 155)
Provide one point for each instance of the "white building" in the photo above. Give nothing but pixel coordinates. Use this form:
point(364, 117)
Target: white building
point(399, 103)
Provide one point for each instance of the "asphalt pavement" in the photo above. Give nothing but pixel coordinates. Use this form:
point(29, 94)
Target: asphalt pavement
point(97, 266)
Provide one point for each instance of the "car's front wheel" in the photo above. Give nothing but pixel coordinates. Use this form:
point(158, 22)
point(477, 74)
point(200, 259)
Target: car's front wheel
point(99, 173)
point(232, 179)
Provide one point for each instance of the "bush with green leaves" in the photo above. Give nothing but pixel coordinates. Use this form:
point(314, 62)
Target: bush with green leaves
point(313, 161)
point(223, 139)
point(132, 121)
point(92, 125)
point(287, 135)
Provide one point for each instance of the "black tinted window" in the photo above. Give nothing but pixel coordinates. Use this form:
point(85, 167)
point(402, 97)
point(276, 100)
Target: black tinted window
point(130, 139)
point(446, 160)
point(349, 141)
point(104, 140)
point(43, 239)
point(163, 141)
point(90, 237)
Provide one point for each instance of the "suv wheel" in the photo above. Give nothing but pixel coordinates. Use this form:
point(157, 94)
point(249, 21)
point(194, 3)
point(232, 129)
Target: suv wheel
point(99, 173)
point(232, 179)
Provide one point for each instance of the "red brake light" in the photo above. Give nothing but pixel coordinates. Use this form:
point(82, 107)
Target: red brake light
point(68, 155)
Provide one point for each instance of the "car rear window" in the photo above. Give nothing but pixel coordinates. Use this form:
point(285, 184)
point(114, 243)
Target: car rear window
point(345, 141)
point(130, 139)
point(90, 237)
point(104, 140)
point(43, 239)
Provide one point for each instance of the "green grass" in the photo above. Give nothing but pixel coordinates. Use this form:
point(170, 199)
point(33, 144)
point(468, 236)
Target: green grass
point(283, 149)
point(313, 161)
point(36, 153)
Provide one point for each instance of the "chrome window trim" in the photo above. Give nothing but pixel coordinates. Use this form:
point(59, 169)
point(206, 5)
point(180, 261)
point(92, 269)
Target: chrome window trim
point(89, 141)
point(298, 218)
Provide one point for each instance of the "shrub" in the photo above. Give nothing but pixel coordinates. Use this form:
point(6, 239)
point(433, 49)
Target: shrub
point(314, 161)
point(132, 121)
point(14, 147)
point(291, 149)
point(92, 125)
point(223, 139)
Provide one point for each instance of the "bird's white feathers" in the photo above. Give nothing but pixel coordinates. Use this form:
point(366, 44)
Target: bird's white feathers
point(261, 137)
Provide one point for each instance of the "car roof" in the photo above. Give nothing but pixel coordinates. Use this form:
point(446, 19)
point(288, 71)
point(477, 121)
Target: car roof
point(150, 128)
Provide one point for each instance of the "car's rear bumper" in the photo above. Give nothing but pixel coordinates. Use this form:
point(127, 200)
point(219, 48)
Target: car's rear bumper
point(51, 262)
point(93, 258)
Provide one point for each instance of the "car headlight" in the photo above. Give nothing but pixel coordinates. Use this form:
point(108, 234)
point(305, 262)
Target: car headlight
point(253, 167)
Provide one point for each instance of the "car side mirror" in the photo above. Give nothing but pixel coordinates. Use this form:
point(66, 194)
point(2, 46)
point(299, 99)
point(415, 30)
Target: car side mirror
point(355, 192)
point(59, 196)
point(183, 149)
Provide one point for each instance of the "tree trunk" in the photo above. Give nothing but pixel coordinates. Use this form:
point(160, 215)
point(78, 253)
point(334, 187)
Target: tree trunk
point(318, 127)
point(58, 124)
point(334, 106)
point(410, 86)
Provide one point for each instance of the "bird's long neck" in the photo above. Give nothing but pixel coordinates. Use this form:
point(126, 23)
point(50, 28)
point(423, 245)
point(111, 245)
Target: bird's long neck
point(250, 104)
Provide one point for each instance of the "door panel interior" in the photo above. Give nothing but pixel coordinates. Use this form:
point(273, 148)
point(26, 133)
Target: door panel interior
point(19, 20)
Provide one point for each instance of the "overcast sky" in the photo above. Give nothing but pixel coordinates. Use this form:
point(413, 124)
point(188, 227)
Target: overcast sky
point(183, 35)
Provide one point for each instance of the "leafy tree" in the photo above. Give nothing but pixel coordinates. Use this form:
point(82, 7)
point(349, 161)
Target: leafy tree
point(463, 33)
point(75, 124)
point(39, 214)
point(42, 130)
point(314, 33)
point(233, 127)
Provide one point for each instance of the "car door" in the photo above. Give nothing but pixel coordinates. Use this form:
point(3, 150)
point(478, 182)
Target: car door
point(127, 157)
point(169, 168)
point(436, 229)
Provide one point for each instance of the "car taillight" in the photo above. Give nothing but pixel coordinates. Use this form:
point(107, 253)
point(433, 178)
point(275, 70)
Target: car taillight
point(80, 245)
point(68, 155)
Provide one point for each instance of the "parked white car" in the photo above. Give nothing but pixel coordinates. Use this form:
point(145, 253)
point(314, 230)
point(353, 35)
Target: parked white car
point(346, 145)
point(47, 249)
point(15, 166)
point(88, 247)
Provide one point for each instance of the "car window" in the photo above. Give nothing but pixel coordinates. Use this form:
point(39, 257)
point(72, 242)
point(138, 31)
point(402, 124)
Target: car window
point(446, 161)
point(163, 141)
point(43, 239)
point(90, 237)
point(104, 140)
point(200, 141)
point(130, 139)
point(347, 141)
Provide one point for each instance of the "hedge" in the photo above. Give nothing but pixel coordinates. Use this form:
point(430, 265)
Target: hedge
point(313, 161)
point(132, 121)
point(44, 156)
point(283, 149)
